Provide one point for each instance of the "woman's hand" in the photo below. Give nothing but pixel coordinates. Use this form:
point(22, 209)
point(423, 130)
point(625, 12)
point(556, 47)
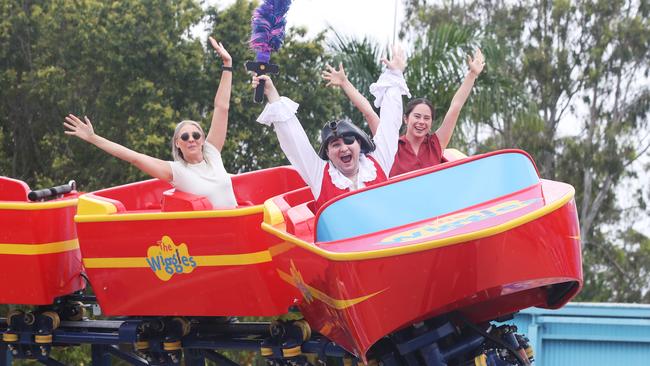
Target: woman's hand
point(78, 128)
point(269, 89)
point(333, 76)
point(221, 51)
point(398, 61)
point(476, 65)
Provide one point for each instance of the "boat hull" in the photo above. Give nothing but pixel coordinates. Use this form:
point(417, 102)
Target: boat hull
point(38, 247)
point(169, 266)
point(515, 248)
point(144, 258)
point(355, 303)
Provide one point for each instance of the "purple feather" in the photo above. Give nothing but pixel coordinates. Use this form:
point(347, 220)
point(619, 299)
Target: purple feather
point(268, 24)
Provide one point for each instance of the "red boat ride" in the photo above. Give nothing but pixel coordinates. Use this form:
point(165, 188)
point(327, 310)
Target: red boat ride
point(482, 237)
point(415, 270)
point(151, 250)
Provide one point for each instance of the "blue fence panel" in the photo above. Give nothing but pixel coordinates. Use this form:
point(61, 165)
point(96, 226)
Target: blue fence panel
point(589, 334)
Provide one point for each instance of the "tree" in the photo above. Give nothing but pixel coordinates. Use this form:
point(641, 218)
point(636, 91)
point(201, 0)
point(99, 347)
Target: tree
point(136, 70)
point(361, 60)
point(127, 65)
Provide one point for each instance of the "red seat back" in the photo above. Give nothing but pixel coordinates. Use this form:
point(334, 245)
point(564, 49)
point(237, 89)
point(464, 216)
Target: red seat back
point(13, 189)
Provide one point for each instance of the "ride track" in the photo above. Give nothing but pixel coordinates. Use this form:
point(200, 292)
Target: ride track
point(408, 272)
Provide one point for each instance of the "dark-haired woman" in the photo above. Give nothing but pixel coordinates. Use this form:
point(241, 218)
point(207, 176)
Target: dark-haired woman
point(418, 147)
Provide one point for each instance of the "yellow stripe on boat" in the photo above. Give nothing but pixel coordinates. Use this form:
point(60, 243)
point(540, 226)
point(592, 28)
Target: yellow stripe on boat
point(26, 206)
point(149, 216)
point(426, 245)
point(233, 259)
point(201, 261)
point(38, 249)
point(310, 292)
point(280, 248)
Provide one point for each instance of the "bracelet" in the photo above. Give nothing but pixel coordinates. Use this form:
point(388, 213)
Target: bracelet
point(226, 68)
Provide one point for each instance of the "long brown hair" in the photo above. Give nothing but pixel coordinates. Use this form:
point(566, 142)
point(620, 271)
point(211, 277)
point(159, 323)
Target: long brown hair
point(417, 101)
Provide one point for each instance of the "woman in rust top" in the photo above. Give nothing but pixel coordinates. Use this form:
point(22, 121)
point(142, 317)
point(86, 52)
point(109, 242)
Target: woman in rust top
point(418, 147)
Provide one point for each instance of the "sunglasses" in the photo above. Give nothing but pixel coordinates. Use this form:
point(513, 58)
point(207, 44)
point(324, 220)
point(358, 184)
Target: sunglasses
point(195, 135)
point(348, 139)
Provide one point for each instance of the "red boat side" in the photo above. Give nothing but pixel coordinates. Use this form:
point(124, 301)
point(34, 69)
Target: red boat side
point(149, 250)
point(38, 246)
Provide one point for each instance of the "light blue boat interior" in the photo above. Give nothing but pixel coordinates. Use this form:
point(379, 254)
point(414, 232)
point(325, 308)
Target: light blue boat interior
point(426, 196)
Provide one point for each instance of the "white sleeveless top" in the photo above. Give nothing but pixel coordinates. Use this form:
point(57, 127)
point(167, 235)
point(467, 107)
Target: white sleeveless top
point(207, 178)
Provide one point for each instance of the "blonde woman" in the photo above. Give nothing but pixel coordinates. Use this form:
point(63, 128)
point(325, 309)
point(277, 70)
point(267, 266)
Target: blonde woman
point(197, 167)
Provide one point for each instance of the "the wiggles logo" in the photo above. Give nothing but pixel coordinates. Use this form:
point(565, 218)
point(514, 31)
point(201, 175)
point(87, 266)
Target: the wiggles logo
point(167, 259)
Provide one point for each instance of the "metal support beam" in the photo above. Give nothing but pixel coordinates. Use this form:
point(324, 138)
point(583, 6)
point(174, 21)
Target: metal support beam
point(50, 362)
point(5, 355)
point(193, 357)
point(99, 355)
point(219, 359)
point(126, 356)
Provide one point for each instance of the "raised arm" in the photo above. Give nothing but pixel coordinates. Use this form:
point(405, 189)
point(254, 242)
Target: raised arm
point(446, 129)
point(219, 125)
point(154, 167)
point(388, 91)
point(338, 78)
point(281, 112)
point(398, 61)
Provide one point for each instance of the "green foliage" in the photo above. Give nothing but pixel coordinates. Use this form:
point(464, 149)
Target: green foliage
point(361, 60)
point(4, 161)
point(135, 70)
point(128, 65)
point(619, 273)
